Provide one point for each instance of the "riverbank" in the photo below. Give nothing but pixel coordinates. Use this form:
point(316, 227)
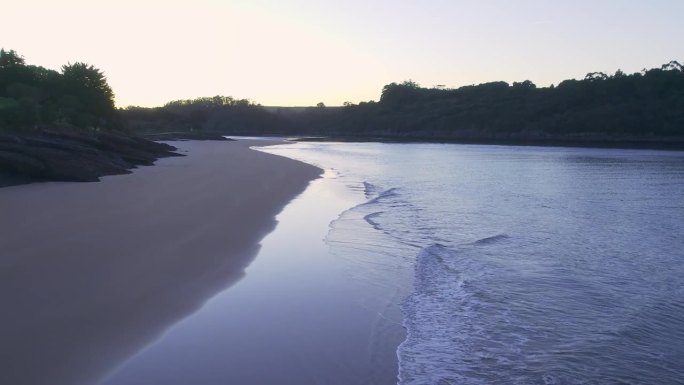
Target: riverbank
point(675, 143)
point(303, 314)
point(92, 272)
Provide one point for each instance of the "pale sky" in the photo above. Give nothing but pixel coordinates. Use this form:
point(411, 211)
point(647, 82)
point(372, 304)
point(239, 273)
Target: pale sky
point(301, 52)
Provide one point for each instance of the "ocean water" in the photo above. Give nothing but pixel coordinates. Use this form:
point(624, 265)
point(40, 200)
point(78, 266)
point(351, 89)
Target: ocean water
point(517, 265)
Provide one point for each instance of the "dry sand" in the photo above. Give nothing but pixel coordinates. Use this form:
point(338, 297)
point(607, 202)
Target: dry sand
point(92, 272)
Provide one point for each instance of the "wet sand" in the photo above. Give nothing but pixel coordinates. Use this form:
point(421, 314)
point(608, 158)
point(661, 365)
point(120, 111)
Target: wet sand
point(92, 272)
point(301, 315)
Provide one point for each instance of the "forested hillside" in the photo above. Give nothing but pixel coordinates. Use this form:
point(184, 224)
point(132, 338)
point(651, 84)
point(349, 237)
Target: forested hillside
point(206, 114)
point(645, 106)
point(649, 104)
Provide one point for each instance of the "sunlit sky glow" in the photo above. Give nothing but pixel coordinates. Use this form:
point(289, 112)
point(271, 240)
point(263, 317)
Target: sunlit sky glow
point(300, 52)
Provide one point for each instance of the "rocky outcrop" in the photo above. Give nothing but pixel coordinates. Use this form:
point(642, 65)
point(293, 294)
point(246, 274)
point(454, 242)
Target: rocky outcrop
point(73, 155)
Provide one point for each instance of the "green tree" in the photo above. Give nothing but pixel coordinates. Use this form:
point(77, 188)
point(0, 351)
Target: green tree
point(12, 69)
point(528, 85)
point(89, 98)
point(10, 59)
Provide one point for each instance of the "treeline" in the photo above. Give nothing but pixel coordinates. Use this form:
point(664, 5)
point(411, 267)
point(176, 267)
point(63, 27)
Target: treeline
point(643, 106)
point(210, 114)
point(31, 96)
point(648, 104)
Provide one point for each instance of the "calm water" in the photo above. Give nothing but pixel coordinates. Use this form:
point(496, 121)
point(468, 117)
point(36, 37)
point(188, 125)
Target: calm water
point(518, 265)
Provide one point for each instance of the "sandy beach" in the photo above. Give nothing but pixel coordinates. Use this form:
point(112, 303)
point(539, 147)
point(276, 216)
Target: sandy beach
point(92, 272)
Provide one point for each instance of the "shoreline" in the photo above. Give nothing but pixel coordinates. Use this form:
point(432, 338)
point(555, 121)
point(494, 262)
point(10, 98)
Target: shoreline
point(90, 273)
point(569, 143)
point(303, 311)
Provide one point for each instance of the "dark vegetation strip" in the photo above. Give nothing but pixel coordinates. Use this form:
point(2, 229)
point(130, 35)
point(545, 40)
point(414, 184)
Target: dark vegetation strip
point(644, 109)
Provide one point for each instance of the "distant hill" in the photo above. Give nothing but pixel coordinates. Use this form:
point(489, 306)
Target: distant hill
point(643, 106)
point(646, 107)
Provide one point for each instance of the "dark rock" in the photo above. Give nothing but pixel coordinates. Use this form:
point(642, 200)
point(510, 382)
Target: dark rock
point(73, 155)
point(16, 163)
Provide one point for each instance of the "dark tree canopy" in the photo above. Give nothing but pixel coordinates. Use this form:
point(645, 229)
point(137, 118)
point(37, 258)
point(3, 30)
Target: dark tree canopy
point(88, 94)
point(10, 59)
point(33, 96)
point(643, 106)
point(215, 113)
